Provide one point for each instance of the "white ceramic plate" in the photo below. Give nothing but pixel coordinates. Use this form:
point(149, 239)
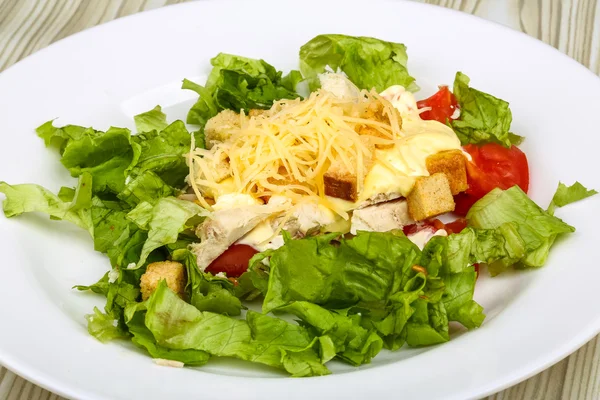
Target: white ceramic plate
point(106, 75)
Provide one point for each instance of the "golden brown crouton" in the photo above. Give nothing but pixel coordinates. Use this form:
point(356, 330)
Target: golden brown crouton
point(452, 163)
point(341, 185)
point(429, 197)
point(375, 111)
point(340, 182)
point(219, 128)
point(172, 272)
point(255, 112)
point(370, 131)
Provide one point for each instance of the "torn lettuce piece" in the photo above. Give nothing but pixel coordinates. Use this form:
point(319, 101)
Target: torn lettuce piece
point(205, 291)
point(34, 198)
point(151, 120)
point(368, 267)
point(238, 83)
point(428, 325)
point(59, 137)
point(143, 338)
point(483, 117)
point(104, 155)
point(164, 221)
point(271, 341)
point(499, 248)
point(569, 194)
point(338, 335)
point(103, 327)
point(147, 187)
point(368, 62)
point(458, 299)
point(537, 228)
point(163, 152)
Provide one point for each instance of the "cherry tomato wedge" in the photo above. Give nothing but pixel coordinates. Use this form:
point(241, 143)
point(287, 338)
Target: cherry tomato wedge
point(456, 226)
point(493, 166)
point(233, 262)
point(443, 104)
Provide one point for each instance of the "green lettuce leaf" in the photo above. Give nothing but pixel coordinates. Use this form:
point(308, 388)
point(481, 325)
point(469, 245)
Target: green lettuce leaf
point(483, 117)
point(151, 120)
point(428, 325)
point(34, 198)
point(499, 248)
point(115, 157)
point(59, 137)
point(375, 277)
point(390, 318)
point(338, 335)
point(104, 155)
point(100, 287)
point(103, 327)
point(238, 83)
point(537, 228)
point(147, 187)
point(271, 341)
point(164, 221)
point(119, 293)
point(205, 291)
point(317, 271)
point(569, 194)
point(163, 152)
point(368, 62)
point(142, 337)
point(458, 299)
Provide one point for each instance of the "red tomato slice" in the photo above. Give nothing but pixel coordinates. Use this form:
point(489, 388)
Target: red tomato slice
point(233, 262)
point(456, 226)
point(442, 104)
point(493, 166)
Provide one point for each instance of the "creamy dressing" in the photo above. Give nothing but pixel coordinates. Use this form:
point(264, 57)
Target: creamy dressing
point(234, 200)
point(395, 170)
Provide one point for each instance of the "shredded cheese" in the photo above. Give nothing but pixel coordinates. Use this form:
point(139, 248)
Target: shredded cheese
point(288, 149)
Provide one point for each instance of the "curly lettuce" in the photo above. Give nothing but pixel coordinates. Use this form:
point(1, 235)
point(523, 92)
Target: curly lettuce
point(483, 117)
point(368, 62)
point(239, 83)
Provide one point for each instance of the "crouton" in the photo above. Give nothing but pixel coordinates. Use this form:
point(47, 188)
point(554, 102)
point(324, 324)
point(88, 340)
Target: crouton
point(255, 112)
point(170, 271)
point(219, 128)
point(221, 170)
point(341, 183)
point(452, 163)
point(429, 197)
point(375, 111)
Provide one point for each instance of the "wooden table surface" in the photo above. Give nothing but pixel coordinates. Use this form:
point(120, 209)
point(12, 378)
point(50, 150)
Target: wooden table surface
point(572, 26)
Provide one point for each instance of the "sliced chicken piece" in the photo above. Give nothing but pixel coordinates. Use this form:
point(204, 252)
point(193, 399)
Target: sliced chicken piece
point(379, 198)
point(224, 228)
point(381, 217)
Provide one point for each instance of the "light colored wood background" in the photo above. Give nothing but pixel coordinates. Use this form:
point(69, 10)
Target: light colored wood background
point(572, 26)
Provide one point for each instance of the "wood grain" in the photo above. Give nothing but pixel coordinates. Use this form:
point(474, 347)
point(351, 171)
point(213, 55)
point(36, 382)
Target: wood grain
point(572, 26)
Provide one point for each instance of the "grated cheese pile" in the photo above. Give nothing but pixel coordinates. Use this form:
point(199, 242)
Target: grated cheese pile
point(287, 150)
